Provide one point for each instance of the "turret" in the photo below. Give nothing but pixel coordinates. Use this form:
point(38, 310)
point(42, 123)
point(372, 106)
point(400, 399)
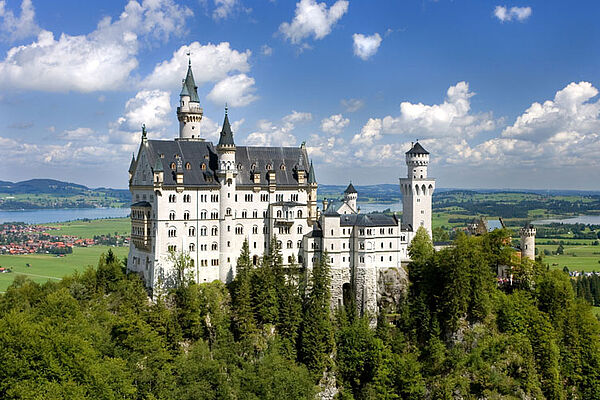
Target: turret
point(417, 189)
point(227, 174)
point(158, 172)
point(189, 112)
point(528, 241)
point(131, 167)
point(350, 196)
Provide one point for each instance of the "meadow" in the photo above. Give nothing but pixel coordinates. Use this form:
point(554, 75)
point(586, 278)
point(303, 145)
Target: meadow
point(91, 228)
point(575, 257)
point(44, 267)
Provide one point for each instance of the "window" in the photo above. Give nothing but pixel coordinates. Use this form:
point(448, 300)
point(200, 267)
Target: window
point(390, 258)
point(382, 245)
point(239, 230)
point(255, 214)
point(172, 247)
point(294, 197)
point(192, 231)
point(214, 246)
point(279, 197)
point(290, 245)
point(300, 229)
point(278, 213)
point(282, 167)
point(362, 259)
point(203, 231)
point(214, 230)
point(381, 258)
point(299, 244)
point(172, 232)
point(172, 215)
point(382, 231)
point(188, 166)
point(187, 198)
point(192, 247)
point(214, 198)
point(228, 211)
point(264, 197)
point(172, 198)
point(361, 246)
point(299, 213)
point(214, 214)
point(186, 215)
point(244, 214)
point(255, 229)
point(248, 197)
point(390, 245)
point(173, 166)
point(331, 246)
point(203, 167)
point(203, 214)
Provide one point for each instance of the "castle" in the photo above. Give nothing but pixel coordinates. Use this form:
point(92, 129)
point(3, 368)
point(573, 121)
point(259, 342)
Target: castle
point(204, 200)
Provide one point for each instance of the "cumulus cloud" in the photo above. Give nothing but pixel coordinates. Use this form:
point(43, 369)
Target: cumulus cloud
point(15, 28)
point(370, 132)
point(237, 91)
point(334, 124)
point(453, 117)
point(352, 105)
point(366, 46)
point(100, 60)
point(266, 50)
point(313, 19)
point(210, 130)
point(81, 133)
point(505, 14)
point(277, 134)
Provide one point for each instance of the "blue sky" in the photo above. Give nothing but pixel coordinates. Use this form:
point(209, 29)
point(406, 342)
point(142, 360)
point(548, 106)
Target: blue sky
point(503, 94)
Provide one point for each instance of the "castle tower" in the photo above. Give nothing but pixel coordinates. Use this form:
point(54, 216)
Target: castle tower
point(189, 112)
point(227, 174)
point(350, 196)
point(312, 194)
point(417, 189)
point(528, 242)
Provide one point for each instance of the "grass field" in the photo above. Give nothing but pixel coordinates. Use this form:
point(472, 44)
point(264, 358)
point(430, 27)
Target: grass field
point(46, 266)
point(576, 258)
point(87, 229)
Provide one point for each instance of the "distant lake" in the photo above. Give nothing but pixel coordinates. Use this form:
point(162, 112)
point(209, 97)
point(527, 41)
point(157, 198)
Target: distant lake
point(370, 207)
point(582, 219)
point(44, 216)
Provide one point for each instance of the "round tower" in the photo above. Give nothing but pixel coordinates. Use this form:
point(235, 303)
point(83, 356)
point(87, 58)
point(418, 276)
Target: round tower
point(350, 196)
point(189, 112)
point(528, 242)
point(417, 189)
point(227, 174)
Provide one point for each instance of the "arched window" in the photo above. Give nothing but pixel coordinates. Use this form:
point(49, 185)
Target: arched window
point(228, 211)
point(300, 229)
point(192, 247)
point(244, 214)
point(203, 214)
point(299, 244)
point(203, 167)
point(255, 260)
point(192, 231)
point(282, 167)
point(214, 246)
point(239, 230)
point(278, 213)
point(290, 245)
point(186, 215)
point(269, 167)
point(172, 232)
point(253, 166)
point(173, 166)
point(188, 166)
point(214, 230)
point(255, 229)
point(172, 198)
point(172, 215)
point(299, 213)
point(203, 231)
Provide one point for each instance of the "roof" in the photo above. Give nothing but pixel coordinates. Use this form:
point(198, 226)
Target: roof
point(417, 149)
point(371, 219)
point(158, 167)
point(350, 189)
point(189, 86)
point(132, 165)
point(141, 204)
point(284, 161)
point(311, 174)
point(226, 137)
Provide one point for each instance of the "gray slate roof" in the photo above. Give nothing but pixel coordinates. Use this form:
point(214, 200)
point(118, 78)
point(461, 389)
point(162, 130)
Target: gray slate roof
point(417, 149)
point(311, 174)
point(350, 189)
point(248, 160)
point(189, 86)
point(368, 220)
point(226, 136)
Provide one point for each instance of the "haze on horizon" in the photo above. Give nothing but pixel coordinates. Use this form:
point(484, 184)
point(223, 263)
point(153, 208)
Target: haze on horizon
point(503, 95)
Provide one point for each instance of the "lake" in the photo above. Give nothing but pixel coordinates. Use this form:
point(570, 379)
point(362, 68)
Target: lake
point(44, 216)
point(370, 207)
point(582, 219)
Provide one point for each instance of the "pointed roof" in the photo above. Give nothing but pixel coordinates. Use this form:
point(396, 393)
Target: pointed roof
point(350, 189)
point(226, 137)
point(311, 174)
point(132, 165)
point(417, 149)
point(189, 85)
point(158, 167)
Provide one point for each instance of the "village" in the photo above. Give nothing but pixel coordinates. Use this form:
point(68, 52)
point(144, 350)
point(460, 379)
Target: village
point(21, 238)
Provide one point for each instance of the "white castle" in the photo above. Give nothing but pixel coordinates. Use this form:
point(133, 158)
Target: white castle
point(204, 200)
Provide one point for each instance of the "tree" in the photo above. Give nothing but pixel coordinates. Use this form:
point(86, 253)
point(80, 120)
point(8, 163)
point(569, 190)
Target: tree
point(243, 314)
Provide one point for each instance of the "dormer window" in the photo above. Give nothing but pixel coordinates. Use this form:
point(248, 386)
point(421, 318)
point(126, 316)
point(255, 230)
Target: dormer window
point(282, 167)
point(253, 166)
point(173, 166)
point(269, 167)
point(188, 166)
point(239, 166)
point(203, 167)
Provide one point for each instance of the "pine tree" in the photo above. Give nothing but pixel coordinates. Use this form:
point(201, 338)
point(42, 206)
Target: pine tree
point(243, 315)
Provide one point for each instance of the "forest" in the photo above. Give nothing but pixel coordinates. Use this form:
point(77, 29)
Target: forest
point(271, 333)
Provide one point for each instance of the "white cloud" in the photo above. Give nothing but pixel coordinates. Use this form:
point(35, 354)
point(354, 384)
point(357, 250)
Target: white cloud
point(210, 129)
point(366, 46)
point(370, 132)
point(352, 105)
point(210, 62)
point(453, 117)
point(100, 60)
point(505, 15)
point(313, 19)
point(16, 28)
point(266, 50)
point(271, 134)
point(334, 124)
point(224, 8)
point(81, 133)
point(237, 91)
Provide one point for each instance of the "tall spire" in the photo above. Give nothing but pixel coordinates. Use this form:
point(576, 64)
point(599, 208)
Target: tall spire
point(132, 165)
point(311, 174)
point(189, 85)
point(226, 138)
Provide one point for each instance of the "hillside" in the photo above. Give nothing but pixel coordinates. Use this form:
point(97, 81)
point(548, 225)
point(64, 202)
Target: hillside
point(50, 193)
